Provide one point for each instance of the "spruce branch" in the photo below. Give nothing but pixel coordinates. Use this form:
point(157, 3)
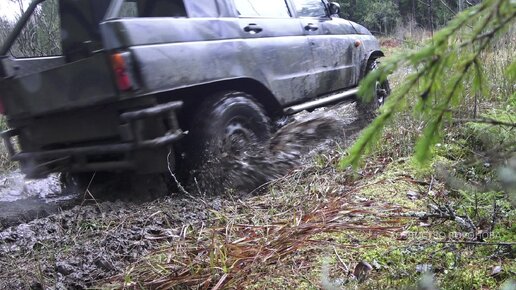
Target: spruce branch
point(434, 66)
point(486, 121)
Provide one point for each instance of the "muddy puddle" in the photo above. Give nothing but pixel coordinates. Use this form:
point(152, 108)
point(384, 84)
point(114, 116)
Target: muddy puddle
point(22, 200)
point(14, 187)
point(297, 140)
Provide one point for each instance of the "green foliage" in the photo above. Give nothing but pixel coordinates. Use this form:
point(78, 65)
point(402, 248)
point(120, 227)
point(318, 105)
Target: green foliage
point(383, 15)
point(42, 34)
point(377, 15)
point(494, 137)
point(440, 72)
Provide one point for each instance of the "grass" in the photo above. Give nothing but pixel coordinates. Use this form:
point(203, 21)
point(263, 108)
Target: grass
point(260, 234)
point(317, 224)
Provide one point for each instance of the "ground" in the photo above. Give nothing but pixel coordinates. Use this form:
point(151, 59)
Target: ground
point(319, 226)
point(389, 224)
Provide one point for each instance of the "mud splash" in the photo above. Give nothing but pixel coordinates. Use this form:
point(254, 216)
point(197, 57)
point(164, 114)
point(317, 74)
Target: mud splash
point(290, 146)
point(22, 200)
point(14, 186)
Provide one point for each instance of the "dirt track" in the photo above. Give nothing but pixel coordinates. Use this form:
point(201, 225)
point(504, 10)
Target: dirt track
point(83, 244)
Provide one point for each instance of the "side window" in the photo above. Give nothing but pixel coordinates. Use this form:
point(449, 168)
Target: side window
point(41, 36)
point(310, 8)
point(262, 8)
point(153, 8)
point(129, 9)
point(162, 8)
point(199, 9)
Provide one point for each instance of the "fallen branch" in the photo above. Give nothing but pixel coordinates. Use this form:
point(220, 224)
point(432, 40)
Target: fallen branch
point(487, 121)
point(509, 244)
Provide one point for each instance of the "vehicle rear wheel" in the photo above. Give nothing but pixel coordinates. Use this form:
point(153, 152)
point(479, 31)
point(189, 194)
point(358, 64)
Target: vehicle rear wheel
point(226, 128)
point(382, 90)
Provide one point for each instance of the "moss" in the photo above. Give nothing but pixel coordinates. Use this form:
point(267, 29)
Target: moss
point(504, 233)
point(457, 150)
point(395, 183)
point(399, 268)
point(488, 136)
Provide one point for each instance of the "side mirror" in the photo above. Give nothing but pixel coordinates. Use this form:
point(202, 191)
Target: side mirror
point(334, 8)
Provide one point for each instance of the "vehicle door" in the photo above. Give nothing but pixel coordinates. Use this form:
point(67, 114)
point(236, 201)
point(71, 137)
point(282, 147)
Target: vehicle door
point(276, 48)
point(332, 44)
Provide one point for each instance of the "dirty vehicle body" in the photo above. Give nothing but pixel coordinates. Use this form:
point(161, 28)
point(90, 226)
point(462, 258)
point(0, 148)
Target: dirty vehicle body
point(134, 74)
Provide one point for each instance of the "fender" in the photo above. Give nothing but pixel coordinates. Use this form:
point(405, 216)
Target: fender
point(371, 56)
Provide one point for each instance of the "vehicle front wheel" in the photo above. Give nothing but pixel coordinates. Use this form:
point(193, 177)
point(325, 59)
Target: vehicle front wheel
point(381, 91)
point(227, 127)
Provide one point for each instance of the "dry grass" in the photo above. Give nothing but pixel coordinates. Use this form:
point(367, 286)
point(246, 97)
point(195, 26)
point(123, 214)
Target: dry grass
point(5, 164)
point(249, 237)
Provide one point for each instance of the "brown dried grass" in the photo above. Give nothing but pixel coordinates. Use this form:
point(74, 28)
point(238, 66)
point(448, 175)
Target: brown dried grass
point(259, 232)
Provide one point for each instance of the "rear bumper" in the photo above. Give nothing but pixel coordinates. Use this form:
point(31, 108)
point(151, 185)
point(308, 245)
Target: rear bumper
point(89, 158)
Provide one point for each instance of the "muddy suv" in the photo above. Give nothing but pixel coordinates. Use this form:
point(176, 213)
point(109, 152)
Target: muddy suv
point(133, 77)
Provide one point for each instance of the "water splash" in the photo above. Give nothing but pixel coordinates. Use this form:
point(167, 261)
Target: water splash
point(14, 187)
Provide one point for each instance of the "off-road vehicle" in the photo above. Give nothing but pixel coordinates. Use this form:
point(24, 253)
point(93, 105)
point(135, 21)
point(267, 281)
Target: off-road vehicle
point(134, 77)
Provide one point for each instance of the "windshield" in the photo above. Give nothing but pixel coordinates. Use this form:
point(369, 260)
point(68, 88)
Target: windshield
point(152, 8)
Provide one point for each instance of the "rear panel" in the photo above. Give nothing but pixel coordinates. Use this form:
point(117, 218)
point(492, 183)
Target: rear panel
point(71, 70)
point(81, 83)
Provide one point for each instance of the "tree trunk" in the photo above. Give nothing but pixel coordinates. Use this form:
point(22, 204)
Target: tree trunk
point(431, 15)
point(460, 5)
point(353, 7)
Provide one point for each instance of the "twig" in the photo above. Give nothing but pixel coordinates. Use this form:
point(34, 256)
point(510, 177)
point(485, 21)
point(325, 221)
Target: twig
point(487, 121)
point(495, 213)
point(448, 7)
point(345, 268)
point(430, 186)
point(88, 192)
point(181, 188)
point(509, 244)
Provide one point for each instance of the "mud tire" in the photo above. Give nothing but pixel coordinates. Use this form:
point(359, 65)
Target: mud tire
point(227, 125)
point(382, 90)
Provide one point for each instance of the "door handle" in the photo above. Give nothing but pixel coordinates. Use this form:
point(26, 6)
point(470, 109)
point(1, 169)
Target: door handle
point(311, 27)
point(252, 28)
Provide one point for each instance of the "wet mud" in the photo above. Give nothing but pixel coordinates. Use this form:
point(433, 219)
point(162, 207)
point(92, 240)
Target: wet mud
point(22, 200)
point(83, 240)
point(295, 142)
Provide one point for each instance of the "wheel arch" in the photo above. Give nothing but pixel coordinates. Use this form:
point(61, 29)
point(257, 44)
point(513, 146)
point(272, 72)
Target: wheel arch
point(375, 54)
point(193, 96)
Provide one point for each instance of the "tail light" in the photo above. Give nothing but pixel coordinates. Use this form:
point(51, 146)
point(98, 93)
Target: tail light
point(121, 67)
